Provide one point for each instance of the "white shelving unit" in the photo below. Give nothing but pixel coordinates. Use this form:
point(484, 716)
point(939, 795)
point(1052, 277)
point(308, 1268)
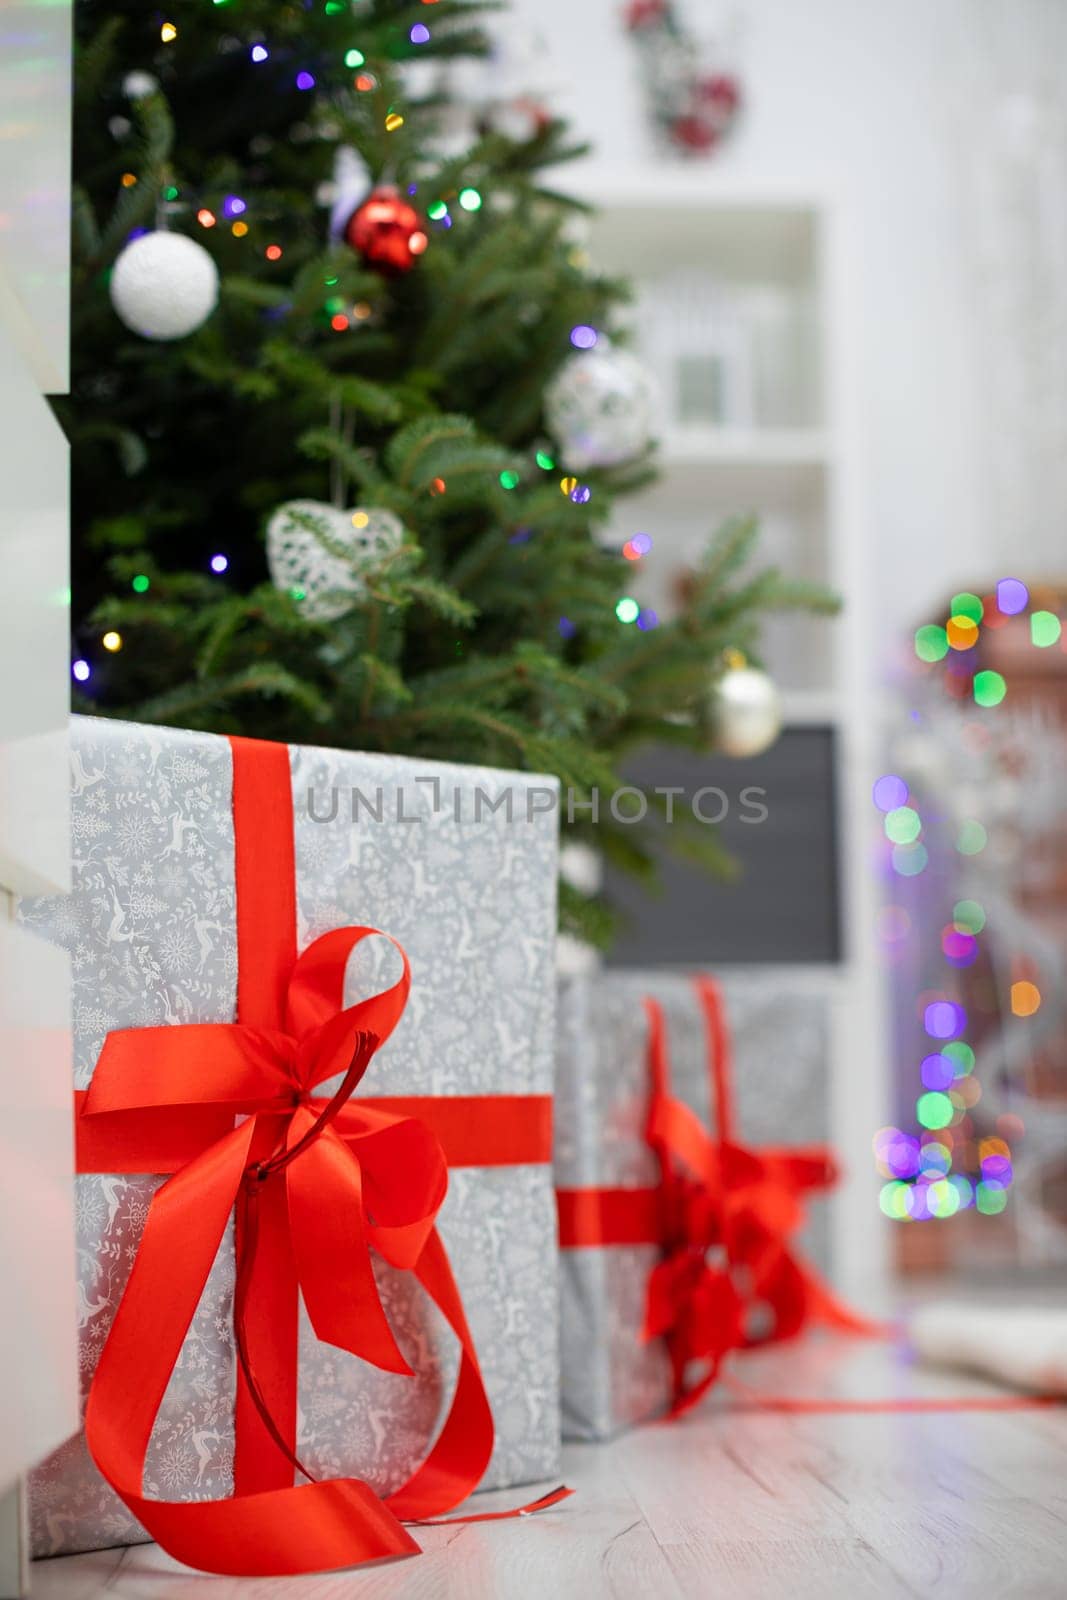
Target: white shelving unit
point(755, 282)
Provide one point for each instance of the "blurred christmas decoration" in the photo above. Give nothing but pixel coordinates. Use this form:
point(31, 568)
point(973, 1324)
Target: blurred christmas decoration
point(320, 555)
point(746, 709)
point(599, 405)
point(972, 925)
point(386, 231)
point(694, 105)
point(164, 285)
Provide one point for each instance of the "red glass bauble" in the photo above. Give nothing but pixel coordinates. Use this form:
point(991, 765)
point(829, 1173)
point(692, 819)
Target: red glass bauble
point(694, 133)
point(722, 92)
point(386, 231)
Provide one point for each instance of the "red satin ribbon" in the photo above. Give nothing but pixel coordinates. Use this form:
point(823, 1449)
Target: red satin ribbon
point(229, 1111)
point(722, 1215)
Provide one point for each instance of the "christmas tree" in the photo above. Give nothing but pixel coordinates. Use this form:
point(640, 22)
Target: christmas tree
point(335, 512)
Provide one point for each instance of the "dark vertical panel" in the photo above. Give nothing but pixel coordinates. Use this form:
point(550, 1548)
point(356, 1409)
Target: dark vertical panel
point(784, 904)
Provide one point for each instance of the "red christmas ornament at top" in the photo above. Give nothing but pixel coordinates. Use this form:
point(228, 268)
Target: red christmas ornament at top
point(386, 231)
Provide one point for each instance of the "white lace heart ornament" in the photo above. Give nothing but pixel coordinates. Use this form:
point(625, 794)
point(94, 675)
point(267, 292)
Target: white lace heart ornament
point(305, 541)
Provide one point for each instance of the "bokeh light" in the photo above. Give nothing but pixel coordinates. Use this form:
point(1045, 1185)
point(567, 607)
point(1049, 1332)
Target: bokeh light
point(944, 1019)
point(989, 688)
point(1045, 629)
point(1012, 596)
point(890, 792)
point(931, 643)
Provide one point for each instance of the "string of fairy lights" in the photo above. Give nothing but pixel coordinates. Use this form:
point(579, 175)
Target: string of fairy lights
point(922, 1168)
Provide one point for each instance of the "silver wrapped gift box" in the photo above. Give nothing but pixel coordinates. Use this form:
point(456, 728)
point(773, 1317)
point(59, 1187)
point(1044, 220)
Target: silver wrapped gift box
point(468, 888)
point(612, 1377)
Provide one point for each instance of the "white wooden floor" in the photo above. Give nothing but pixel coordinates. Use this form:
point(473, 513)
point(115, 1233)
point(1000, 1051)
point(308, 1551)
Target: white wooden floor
point(736, 1503)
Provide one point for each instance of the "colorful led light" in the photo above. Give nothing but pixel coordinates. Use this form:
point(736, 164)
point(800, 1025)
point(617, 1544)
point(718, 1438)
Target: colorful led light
point(393, 121)
point(1045, 628)
point(583, 337)
point(567, 628)
point(1025, 999)
point(205, 217)
point(168, 33)
point(959, 949)
point(961, 632)
point(112, 641)
point(937, 1071)
point(568, 485)
point(273, 252)
point(971, 838)
point(545, 461)
point(961, 1055)
point(1012, 596)
point(909, 859)
point(647, 619)
point(968, 916)
point(582, 494)
point(81, 670)
point(890, 792)
point(470, 199)
point(934, 1110)
point(990, 1198)
point(140, 584)
point(989, 688)
point(931, 643)
point(944, 1019)
point(259, 52)
point(305, 81)
point(895, 1200)
point(354, 58)
point(219, 563)
point(627, 609)
point(509, 480)
point(420, 34)
point(902, 825)
point(967, 605)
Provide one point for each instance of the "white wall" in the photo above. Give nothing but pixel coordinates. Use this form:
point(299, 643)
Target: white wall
point(878, 103)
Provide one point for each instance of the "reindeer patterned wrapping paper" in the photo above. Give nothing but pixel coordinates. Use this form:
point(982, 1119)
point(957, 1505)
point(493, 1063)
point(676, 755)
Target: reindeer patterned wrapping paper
point(780, 1031)
point(468, 887)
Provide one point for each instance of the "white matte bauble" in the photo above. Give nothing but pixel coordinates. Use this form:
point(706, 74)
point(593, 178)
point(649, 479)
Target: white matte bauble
point(164, 285)
point(320, 554)
point(138, 85)
point(599, 408)
point(746, 712)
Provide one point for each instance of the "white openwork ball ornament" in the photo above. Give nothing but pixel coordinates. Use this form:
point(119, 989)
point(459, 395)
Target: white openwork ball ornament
point(746, 711)
point(320, 554)
point(599, 408)
point(164, 285)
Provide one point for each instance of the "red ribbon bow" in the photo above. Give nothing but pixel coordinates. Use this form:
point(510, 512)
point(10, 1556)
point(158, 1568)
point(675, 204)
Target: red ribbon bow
point(229, 1110)
point(731, 1213)
point(724, 1216)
